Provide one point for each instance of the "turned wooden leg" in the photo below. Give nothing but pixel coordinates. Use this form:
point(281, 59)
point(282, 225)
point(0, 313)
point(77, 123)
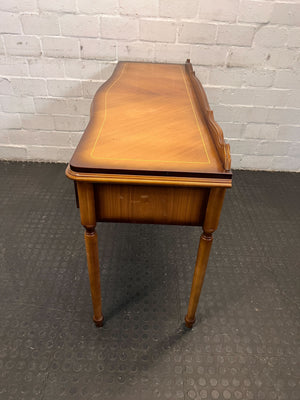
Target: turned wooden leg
point(88, 219)
point(211, 220)
point(91, 244)
point(198, 279)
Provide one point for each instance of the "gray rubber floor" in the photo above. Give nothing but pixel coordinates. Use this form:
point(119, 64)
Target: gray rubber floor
point(244, 345)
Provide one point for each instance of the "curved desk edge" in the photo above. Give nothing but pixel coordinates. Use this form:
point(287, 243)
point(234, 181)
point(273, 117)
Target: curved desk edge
point(214, 128)
point(147, 180)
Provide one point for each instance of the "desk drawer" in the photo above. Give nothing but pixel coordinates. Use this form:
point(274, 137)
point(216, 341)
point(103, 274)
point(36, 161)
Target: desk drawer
point(150, 204)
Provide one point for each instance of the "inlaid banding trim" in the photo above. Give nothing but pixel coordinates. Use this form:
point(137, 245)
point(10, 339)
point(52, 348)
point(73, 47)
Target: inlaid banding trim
point(92, 155)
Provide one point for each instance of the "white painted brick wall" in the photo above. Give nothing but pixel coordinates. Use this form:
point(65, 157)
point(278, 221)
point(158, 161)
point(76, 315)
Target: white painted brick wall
point(40, 24)
point(60, 47)
point(28, 87)
point(55, 54)
point(79, 25)
point(178, 9)
point(98, 7)
point(235, 35)
point(98, 49)
point(17, 45)
point(255, 11)
point(195, 32)
point(138, 51)
point(140, 7)
point(10, 23)
point(18, 5)
point(119, 27)
point(219, 10)
point(157, 31)
point(58, 6)
point(45, 68)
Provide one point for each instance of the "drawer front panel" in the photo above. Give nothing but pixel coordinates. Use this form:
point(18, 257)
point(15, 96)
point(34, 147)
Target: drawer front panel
point(150, 204)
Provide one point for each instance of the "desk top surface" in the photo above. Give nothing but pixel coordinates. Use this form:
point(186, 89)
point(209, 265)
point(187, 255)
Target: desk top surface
point(147, 120)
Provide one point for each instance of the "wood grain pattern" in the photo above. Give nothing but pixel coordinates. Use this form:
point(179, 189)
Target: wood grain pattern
point(151, 204)
point(91, 245)
point(198, 278)
point(145, 121)
point(85, 193)
point(86, 199)
point(211, 221)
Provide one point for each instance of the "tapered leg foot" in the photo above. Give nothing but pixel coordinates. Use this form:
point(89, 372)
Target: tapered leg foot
point(189, 323)
point(200, 268)
point(94, 273)
point(99, 322)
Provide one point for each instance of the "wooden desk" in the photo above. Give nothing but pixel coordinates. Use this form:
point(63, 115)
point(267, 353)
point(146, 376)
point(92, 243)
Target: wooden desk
point(151, 153)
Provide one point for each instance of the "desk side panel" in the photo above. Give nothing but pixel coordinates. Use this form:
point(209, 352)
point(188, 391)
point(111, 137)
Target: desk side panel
point(151, 204)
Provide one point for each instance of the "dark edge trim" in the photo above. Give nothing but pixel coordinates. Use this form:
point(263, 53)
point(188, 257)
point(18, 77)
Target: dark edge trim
point(224, 175)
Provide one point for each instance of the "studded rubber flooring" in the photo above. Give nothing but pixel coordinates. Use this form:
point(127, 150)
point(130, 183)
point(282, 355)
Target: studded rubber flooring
point(244, 345)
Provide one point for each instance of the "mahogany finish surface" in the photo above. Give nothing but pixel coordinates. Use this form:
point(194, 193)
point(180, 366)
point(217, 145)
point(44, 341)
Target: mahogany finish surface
point(151, 153)
point(145, 120)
